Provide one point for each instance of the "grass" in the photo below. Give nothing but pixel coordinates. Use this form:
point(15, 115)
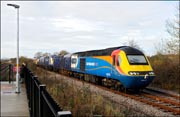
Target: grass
point(80, 100)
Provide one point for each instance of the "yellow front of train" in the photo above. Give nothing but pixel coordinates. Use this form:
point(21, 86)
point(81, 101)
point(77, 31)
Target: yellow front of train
point(134, 67)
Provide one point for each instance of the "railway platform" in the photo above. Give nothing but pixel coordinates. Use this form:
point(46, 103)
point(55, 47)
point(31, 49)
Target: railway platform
point(13, 104)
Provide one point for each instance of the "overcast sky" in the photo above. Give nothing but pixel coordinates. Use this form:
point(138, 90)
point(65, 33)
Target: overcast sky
point(47, 26)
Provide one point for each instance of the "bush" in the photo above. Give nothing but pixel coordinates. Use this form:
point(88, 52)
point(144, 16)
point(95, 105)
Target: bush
point(166, 68)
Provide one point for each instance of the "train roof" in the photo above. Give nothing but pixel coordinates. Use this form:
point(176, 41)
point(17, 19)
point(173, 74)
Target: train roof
point(108, 51)
point(131, 51)
point(67, 55)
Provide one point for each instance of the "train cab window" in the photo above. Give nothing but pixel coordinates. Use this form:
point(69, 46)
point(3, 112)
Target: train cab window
point(137, 60)
point(113, 59)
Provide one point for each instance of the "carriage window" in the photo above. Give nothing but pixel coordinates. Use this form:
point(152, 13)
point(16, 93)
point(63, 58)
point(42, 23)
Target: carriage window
point(137, 59)
point(74, 60)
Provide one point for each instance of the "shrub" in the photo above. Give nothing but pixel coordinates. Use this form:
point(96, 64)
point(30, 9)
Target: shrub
point(166, 68)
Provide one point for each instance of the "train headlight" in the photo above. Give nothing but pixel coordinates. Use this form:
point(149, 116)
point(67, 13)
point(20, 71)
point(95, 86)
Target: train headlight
point(137, 73)
point(151, 73)
point(130, 73)
point(134, 73)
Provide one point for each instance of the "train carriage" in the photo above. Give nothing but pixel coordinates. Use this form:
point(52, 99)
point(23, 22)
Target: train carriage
point(121, 67)
point(56, 62)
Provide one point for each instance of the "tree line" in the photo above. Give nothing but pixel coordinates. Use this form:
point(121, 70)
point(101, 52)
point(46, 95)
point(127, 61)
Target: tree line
point(40, 54)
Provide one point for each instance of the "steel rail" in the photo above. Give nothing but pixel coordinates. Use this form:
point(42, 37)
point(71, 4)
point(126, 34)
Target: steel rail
point(153, 90)
point(5, 70)
point(158, 98)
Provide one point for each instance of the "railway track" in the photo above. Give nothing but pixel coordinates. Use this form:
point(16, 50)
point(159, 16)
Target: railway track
point(166, 101)
point(163, 103)
point(156, 101)
point(4, 68)
point(163, 93)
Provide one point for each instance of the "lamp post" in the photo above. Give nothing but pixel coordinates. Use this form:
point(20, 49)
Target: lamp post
point(17, 59)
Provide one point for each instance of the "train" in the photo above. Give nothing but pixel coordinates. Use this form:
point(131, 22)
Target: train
point(121, 68)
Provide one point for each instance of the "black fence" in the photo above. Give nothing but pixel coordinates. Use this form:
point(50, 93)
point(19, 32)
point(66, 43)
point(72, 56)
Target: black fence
point(41, 104)
point(6, 72)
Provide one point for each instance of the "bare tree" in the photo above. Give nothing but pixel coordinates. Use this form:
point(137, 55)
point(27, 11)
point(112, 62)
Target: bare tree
point(63, 52)
point(172, 26)
point(133, 44)
point(38, 55)
point(56, 53)
point(46, 54)
point(160, 47)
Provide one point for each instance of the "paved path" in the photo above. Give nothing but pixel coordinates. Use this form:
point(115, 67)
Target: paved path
point(13, 104)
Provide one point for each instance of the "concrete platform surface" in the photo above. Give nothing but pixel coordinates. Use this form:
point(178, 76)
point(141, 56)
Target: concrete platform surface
point(13, 104)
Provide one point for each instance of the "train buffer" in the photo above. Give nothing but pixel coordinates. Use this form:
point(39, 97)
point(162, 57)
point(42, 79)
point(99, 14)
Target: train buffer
point(13, 104)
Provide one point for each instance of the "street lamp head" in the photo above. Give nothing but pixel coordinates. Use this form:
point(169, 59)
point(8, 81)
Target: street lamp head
point(14, 5)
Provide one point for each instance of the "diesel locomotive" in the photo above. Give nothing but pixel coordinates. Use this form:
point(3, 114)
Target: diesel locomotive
point(121, 67)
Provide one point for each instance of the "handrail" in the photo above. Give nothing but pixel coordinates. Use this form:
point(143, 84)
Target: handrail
point(41, 103)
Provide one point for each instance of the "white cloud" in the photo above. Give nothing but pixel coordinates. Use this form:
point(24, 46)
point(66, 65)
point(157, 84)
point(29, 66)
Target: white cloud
point(132, 34)
point(145, 23)
point(28, 18)
point(84, 37)
point(73, 24)
point(77, 25)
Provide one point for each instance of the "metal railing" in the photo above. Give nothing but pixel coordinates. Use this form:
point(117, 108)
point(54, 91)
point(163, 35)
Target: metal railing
point(41, 104)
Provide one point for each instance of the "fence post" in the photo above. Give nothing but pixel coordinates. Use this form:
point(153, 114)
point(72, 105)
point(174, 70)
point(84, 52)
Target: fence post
point(31, 90)
point(32, 96)
point(12, 73)
point(41, 87)
point(9, 73)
